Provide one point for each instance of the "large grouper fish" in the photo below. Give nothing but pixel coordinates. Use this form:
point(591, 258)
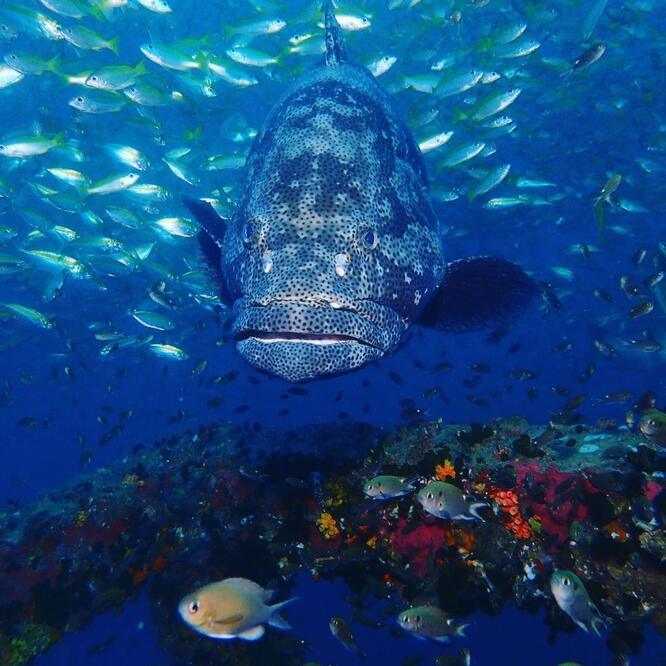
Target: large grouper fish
point(334, 249)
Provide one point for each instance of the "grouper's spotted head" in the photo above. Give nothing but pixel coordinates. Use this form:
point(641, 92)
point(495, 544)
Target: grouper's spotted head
point(333, 247)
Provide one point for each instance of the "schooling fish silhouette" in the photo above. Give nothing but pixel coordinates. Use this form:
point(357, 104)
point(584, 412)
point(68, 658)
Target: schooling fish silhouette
point(334, 249)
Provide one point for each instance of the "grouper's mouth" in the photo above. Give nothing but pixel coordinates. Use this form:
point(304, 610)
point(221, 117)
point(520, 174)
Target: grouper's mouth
point(270, 337)
point(301, 341)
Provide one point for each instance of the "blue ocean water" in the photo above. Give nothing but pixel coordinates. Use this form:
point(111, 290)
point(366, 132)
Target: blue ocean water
point(83, 387)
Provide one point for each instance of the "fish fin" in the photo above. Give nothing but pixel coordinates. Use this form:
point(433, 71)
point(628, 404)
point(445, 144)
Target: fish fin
point(335, 46)
point(460, 630)
point(114, 45)
point(207, 217)
point(474, 510)
point(567, 73)
point(232, 619)
point(276, 619)
point(597, 622)
point(443, 639)
point(253, 634)
point(582, 625)
point(53, 65)
point(478, 292)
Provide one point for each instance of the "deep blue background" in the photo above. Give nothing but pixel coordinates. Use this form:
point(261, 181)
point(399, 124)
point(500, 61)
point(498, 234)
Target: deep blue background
point(575, 134)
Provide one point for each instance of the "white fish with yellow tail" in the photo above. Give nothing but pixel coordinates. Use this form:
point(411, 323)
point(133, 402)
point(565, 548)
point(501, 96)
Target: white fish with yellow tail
point(232, 608)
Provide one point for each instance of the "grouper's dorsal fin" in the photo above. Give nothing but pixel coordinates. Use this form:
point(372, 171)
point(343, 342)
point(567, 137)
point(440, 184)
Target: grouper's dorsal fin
point(335, 46)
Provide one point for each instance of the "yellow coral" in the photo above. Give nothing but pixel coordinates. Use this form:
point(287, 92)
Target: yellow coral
point(372, 542)
point(337, 495)
point(81, 518)
point(328, 525)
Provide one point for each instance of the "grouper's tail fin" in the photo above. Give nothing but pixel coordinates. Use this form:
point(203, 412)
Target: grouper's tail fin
point(335, 46)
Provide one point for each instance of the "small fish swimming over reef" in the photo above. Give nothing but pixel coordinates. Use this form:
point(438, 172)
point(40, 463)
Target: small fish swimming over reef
point(388, 487)
point(572, 597)
point(444, 500)
point(652, 425)
point(232, 608)
point(342, 631)
point(463, 658)
point(334, 249)
point(429, 622)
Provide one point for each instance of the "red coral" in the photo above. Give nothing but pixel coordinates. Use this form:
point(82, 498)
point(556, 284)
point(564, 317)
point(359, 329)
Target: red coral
point(514, 521)
point(562, 493)
point(417, 545)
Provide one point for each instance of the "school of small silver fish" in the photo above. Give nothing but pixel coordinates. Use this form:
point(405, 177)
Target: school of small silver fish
point(111, 109)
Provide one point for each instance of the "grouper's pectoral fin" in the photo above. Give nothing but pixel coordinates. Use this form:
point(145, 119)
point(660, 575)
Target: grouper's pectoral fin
point(478, 292)
point(211, 237)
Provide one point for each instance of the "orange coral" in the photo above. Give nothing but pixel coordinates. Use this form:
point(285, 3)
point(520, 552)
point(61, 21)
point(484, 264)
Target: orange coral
point(508, 502)
point(445, 470)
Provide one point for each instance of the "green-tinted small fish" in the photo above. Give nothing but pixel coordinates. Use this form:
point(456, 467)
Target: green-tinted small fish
point(342, 631)
point(429, 622)
point(144, 94)
point(387, 487)
point(157, 6)
point(170, 352)
point(177, 226)
point(446, 501)
point(32, 316)
point(9, 76)
point(494, 103)
point(458, 83)
point(572, 598)
point(87, 39)
point(113, 184)
point(29, 146)
point(265, 27)
point(98, 101)
point(491, 180)
point(641, 309)
point(517, 49)
point(379, 66)
point(251, 57)
point(231, 72)
point(128, 155)
point(59, 262)
point(435, 141)
point(607, 190)
point(69, 176)
point(28, 63)
point(461, 154)
point(169, 57)
point(115, 77)
point(652, 425)
point(155, 320)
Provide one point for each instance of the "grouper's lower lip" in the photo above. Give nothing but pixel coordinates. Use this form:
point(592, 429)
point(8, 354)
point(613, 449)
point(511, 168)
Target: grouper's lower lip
point(268, 337)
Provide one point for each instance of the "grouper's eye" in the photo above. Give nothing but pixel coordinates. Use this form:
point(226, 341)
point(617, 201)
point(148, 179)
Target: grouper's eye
point(193, 608)
point(370, 239)
point(248, 233)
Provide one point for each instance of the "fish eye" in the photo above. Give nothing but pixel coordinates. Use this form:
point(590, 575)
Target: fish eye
point(430, 496)
point(79, 99)
point(93, 78)
point(193, 607)
point(652, 422)
point(370, 239)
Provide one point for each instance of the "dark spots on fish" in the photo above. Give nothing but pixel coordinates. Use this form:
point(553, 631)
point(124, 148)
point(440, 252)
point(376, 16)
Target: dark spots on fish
point(297, 390)
point(338, 396)
point(242, 409)
point(214, 403)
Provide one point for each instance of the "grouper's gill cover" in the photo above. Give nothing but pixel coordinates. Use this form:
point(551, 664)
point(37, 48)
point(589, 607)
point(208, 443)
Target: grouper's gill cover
point(334, 248)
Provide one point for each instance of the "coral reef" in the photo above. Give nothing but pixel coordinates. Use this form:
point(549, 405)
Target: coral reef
point(184, 512)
